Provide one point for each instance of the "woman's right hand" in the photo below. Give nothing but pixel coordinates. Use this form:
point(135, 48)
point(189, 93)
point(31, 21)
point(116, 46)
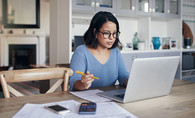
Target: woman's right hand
point(87, 80)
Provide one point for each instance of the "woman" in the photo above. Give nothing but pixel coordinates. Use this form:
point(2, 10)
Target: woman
point(99, 56)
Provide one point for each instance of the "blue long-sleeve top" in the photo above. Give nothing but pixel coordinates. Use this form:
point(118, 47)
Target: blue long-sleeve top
point(114, 69)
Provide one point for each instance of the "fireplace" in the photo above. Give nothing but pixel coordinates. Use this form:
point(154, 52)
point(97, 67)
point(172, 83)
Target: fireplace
point(21, 56)
point(30, 48)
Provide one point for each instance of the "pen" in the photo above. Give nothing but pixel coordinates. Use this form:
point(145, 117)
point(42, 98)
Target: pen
point(78, 72)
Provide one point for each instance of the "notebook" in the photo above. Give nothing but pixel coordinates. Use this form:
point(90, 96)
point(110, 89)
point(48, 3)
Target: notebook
point(149, 78)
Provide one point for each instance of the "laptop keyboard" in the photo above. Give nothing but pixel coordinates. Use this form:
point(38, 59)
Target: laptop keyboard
point(120, 95)
point(120, 91)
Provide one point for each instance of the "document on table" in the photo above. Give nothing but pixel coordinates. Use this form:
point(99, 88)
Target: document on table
point(90, 95)
point(104, 110)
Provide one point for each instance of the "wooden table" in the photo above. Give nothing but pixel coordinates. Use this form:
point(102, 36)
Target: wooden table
point(179, 104)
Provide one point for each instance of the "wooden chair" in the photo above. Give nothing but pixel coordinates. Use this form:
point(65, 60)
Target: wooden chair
point(67, 65)
point(44, 85)
point(3, 68)
point(62, 74)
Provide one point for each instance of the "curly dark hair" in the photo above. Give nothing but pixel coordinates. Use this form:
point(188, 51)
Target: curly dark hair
point(96, 23)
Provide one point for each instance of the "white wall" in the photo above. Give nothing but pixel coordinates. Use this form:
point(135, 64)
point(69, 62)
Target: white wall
point(60, 31)
point(45, 24)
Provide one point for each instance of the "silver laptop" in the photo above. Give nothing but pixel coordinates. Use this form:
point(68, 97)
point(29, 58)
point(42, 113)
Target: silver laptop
point(149, 77)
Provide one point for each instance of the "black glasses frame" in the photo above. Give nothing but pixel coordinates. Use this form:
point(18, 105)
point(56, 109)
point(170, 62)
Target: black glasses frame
point(108, 34)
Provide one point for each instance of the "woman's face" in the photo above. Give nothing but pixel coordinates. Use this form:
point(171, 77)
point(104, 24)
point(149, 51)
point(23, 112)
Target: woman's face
point(106, 33)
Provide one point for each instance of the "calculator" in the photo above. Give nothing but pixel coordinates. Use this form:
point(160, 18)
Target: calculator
point(87, 108)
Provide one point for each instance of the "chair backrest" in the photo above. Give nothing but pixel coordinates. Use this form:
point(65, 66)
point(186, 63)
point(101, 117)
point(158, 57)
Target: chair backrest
point(62, 74)
point(3, 68)
point(67, 65)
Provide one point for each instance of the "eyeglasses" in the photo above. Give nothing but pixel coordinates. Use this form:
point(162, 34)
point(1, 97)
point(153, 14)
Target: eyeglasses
point(108, 34)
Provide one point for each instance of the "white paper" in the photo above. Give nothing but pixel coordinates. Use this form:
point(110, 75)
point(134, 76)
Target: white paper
point(90, 95)
point(39, 110)
point(104, 110)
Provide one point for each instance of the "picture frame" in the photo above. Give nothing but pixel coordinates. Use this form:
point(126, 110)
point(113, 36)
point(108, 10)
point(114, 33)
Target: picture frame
point(173, 44)
point(166, 43)
point(128, 46)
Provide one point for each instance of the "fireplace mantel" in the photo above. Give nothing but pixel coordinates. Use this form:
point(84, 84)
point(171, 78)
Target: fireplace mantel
point(7, 39)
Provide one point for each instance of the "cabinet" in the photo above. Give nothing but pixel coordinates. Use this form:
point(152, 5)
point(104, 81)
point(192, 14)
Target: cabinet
point(174, 8)
point(144, 7)
point(160, 8)
point(188, 55)
point(93, 5)
point(188, 65)
point(126, 7)
point(148, 27)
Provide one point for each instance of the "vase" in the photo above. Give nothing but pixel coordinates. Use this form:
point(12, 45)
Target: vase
point(135, 41)
point(156, 42)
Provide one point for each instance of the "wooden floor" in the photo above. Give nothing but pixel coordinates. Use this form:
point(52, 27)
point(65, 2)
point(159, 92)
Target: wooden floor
point(26, 88)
